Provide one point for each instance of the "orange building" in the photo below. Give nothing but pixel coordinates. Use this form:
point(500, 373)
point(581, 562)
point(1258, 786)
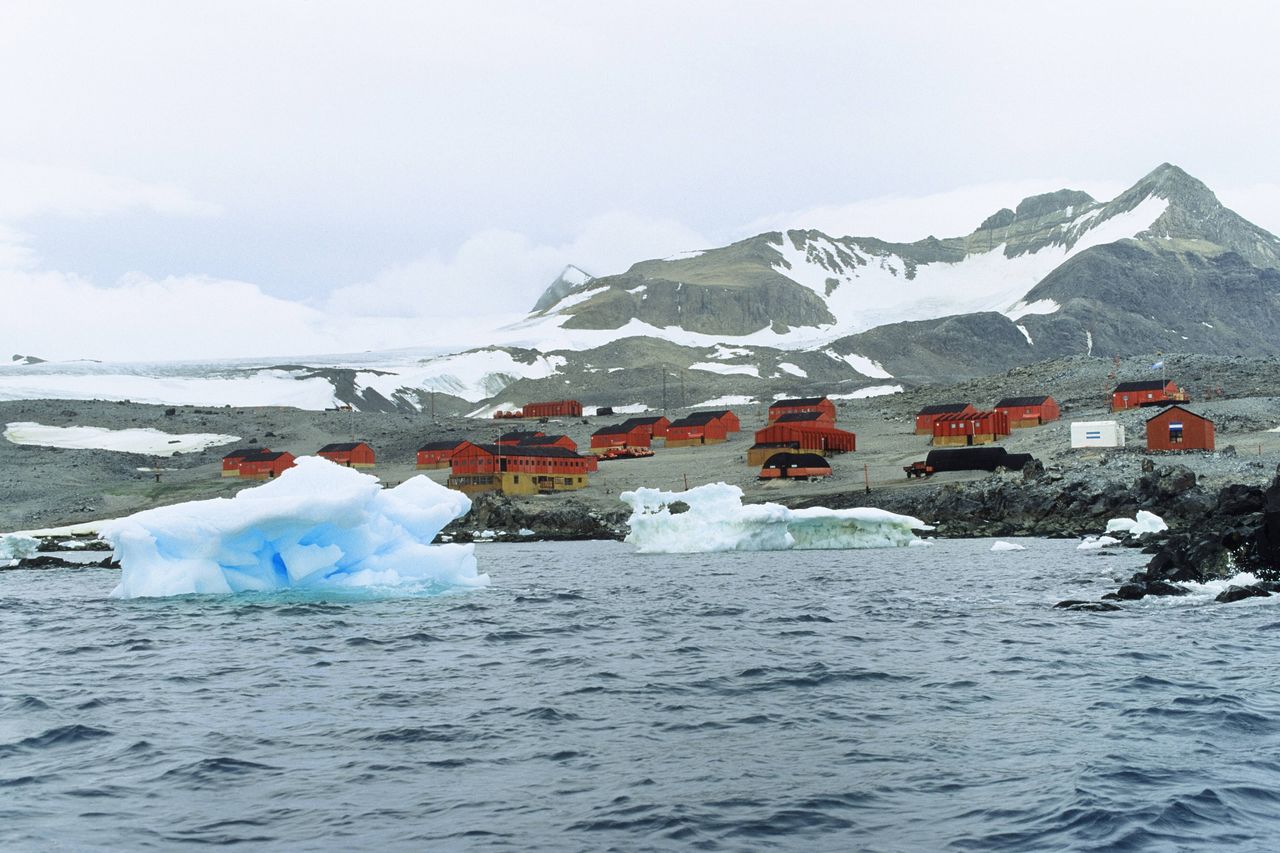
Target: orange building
point(1151, 392)
point(352, 454)
point(925, 417)
point(1028, 411)
point(1177, 428)
point(804, 405)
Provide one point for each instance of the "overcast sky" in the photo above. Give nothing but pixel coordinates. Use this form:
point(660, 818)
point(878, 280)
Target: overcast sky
point(264, 178)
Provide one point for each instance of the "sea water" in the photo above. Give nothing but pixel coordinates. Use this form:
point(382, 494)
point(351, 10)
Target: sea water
point(591, 698)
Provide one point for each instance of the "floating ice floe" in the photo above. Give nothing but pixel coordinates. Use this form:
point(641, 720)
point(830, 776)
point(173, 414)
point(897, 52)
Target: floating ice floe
point(17, 546)
point(717, 520)
point(318, 526)
point(1143, 522)
point(1097, 543)
point(1007, 546)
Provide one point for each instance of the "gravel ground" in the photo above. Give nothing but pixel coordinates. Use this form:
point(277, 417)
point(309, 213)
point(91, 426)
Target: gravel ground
point(45, 487)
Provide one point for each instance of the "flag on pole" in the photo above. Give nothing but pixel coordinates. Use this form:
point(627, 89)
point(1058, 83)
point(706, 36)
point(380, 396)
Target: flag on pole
point(1159, 364)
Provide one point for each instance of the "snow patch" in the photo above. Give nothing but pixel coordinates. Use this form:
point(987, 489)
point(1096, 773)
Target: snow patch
point(152, 442)
point(684, 256)
point(861, 364)
point(730, 400)
point(717, 520)
point(317, 526)
point(721, 352)
point(794, 370)
point(1040, 306)
point(1026, 334)
point(727, 369)
point(869, 391)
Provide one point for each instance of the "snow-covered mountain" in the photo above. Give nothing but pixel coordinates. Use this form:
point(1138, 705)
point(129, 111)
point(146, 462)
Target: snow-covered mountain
point(1163, 266)
point(798, 289)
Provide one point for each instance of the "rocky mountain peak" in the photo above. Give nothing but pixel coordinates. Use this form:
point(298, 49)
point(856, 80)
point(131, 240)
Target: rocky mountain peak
point(570, 278)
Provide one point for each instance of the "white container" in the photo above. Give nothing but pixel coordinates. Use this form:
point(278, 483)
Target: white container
point(1096, 434)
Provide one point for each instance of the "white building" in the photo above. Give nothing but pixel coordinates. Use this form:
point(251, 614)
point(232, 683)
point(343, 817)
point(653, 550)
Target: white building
point(1096, 434)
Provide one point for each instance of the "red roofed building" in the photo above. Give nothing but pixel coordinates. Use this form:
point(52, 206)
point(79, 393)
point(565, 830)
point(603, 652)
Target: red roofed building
point(625, 434)
point(726, 417)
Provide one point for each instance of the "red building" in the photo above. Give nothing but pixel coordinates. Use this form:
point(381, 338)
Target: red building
point(1177, 428)
point(516, 470)
point(965, 428)
point(806, 436)
point(265, 465)
point(436, 454)
point(726, 417)
point(656, 424)
point(625, 434)
point(231, 462)
point(696, 429)
point(926, 416)
point(1150, 392)
point(353, 454)
point(553, 409)
point(549, 441)
point(1028, 411)
point(804, 405)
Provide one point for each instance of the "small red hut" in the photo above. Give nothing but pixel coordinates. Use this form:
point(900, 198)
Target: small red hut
point(1177, 428)
point(1028, 411)
point(436, 454)
point(925, 417)
point(727, 418)
point(517, 435)
point(265, 465)
point(231, 462)
point(696, 429)
point(966, 428)
point(625, 434)
point(656, 424)
point(1150, 392)
point(804, 405)
point(352, 454)
point(549, 441)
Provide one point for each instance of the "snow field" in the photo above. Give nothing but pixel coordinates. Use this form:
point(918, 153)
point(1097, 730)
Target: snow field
point(152, 442)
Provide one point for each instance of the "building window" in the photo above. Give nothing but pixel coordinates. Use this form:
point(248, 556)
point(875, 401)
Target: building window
point(1175, 433)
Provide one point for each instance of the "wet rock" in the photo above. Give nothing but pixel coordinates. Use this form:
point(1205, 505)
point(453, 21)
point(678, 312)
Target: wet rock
point(1088, 606)
point(1131, 591)
point(1161, 587)
point(1239, 593)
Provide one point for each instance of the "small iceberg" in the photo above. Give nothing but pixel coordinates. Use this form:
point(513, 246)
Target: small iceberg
point(1008, 546)
point(713, 518)
point(318, 526)
point(1097, 543)
point(1143, 522)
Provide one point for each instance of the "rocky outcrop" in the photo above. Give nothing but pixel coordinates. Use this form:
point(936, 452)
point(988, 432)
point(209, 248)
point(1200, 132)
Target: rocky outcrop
point(498, 518)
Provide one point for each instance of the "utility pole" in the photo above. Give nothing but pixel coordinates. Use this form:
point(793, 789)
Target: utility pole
point(664, 388)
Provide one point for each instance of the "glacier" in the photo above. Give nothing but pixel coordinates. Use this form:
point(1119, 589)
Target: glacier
point(319, 526)
point(717, 520)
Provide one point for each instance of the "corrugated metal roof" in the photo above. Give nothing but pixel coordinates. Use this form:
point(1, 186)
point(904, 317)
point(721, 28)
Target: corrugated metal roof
point(1014, 402)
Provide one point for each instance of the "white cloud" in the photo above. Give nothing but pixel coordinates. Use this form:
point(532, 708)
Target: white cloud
point(500, 272)
point(900, 218)
point(31, 189)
